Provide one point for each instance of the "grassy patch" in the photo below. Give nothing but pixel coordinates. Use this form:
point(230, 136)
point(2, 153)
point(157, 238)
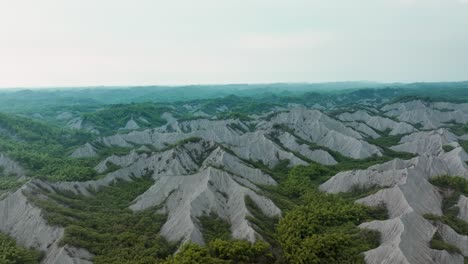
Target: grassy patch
point(447, 148)
point(324, 230)
point(438, 243)
point(11, 253)
point(214, 227)
point(10, 183)
point(454, 187)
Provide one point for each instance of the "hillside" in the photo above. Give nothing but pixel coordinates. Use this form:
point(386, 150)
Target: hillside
point(359, 175)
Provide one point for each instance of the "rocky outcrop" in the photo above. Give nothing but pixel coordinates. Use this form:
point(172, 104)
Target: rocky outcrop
point(428, 142)
point(191, 180)
point(78, 123)
point(23, 221)
point(378, 122)
point(64, 116)
point(86, 151)
point(407, 194)
point(429, 116)
point(318, 128)
point(363, 129)
point(10, 167)
point(450, 236)
point(131, 125)
point(185, 198)
point(463, 207)
point(310, 125)
point(208, 166)
point(318, 155)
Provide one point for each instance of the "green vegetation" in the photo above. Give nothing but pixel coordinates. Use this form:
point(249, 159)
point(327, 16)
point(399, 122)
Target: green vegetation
point(8, 183)
point(104, 225)
point(459, 129)
point(114, 117)
point(452, 182)
point(464, 144)
point(447, 148)
point(324, 230)
point(264, 225)
point(11, 253)
point(450, 210)
point(438, 243)
point(222, 252)
point(315, 228)
point(386, 141)
point(214, 227)
point(43, 149)
point(347, 163)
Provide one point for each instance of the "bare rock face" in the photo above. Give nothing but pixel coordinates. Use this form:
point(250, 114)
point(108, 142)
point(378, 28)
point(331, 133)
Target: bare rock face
point(64, 116)
point(191, 180)
point(429, 142)
point(131, 125)
point(11, 167)
point(463, 206)
point(310, 125)
point(86, 151)
point(318, 155)
point(206, 166)
point(316, 127)
point(408, 195)
point(186, 198)
point(20, 219)
point(378, 122)
point(78, 123)
point(431, 116)
point(449, 235)
point(363, 129)
point(75, 123)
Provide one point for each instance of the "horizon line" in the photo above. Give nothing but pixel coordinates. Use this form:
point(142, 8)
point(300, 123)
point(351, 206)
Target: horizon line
point(220, 84)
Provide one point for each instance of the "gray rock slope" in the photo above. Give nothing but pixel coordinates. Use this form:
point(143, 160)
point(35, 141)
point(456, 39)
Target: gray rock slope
point(429, 142)
point(408, 195)
point(85, 151)
point(318, 128)
point(429, 115)
point(191, 180)
point(131, 125)
point(78, 123)
point(203, 167)
point(23, 221)
point(251, 140)
point(378, 122)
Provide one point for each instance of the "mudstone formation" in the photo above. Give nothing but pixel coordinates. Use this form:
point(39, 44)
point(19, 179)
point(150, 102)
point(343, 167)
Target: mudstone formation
point(204, 166)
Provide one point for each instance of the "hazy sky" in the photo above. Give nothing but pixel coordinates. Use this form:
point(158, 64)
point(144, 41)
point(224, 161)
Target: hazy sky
point(138, 42)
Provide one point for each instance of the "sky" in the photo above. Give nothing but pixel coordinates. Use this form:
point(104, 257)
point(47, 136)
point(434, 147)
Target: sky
point(144, 42)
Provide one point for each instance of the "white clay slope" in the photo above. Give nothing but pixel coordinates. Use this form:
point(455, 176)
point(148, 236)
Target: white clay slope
point(201, 177)
point(310, 125)
point(378, 122)
point(408, 195)
point(430, 116)
point(213, 176)
point(427, 142)
point(23, 221)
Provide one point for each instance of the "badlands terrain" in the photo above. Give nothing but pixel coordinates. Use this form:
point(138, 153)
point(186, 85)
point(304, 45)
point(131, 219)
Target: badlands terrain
point(353, 176)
